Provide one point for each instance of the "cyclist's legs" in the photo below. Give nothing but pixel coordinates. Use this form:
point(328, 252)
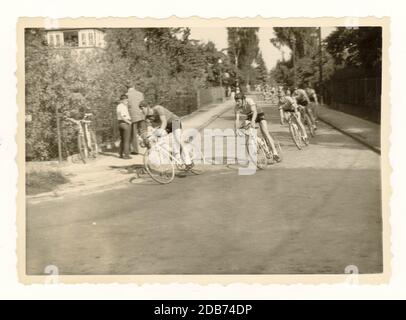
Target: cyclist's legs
point(314, 109)
point(287, 115)
point(309, 111)
point(299, 120)
point(264, 129)
point(311, 115)
point(177, 135)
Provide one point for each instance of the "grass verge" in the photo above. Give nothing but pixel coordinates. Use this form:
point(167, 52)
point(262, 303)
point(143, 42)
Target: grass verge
point(37, 182)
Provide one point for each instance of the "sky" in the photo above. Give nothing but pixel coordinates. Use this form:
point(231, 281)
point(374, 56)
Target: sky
point(270, 54)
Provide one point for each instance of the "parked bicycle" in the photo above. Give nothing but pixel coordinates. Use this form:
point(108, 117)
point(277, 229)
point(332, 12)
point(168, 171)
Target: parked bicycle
point(86, 139)
point(262, 155)
point(160, 161)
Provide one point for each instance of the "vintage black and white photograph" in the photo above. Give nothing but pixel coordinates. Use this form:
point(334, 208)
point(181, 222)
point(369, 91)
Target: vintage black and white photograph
point(203, 149)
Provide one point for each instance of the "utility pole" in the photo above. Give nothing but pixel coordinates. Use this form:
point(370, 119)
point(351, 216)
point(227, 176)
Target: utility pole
point(221, 75)
point(293, 39)
point(58, 130)
point(320, 68)
point(221, 79)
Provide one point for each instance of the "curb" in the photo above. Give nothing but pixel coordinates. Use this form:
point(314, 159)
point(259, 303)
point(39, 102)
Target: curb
point(55, 195)
point(213, 118)
point(351, 135)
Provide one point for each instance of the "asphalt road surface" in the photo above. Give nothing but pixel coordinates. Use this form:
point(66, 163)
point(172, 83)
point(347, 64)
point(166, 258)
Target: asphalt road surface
point(316, 212)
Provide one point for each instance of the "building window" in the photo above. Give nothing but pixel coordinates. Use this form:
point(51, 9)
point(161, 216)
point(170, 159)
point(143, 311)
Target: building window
point(58, 40)
point(51, 40)
point(71, 38)
point(84, 39)
point(91, 40)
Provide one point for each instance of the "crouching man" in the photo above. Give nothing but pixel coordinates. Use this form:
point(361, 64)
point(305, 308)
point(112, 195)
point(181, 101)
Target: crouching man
point(164, 121)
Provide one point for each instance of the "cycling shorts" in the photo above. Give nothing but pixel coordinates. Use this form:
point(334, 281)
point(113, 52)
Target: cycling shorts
point(289, 108)
point(260, 117)
point(303, 103)
point(171, 125)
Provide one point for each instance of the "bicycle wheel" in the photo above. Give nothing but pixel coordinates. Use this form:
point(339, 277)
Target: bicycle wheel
point(294, 132)
point(278, 149)
point(303, 136)
point(309, 124)
point(159, 166)
point(260, 158)
point(93, 145)
point(82, 149)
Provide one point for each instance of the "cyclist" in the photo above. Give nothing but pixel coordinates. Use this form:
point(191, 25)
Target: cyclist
point(255, 114)
point(288, 104)
point(311, 93)
point(166, 121)
point(303, 100)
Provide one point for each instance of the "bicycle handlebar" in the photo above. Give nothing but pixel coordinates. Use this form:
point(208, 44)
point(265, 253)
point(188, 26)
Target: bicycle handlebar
point(248, 126)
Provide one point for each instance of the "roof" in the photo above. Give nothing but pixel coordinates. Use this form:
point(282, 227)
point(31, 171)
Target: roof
point(74, 29)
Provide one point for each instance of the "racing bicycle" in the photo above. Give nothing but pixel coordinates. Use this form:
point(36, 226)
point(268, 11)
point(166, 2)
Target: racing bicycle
point(160, 162)
point(262, 155)
point(298, 135)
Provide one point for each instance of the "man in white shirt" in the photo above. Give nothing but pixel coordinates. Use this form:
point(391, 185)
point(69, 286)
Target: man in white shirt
point(124, 126)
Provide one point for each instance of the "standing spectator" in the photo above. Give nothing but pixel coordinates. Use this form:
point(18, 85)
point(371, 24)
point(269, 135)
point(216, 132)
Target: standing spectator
point(124, 125)
point(137, 117)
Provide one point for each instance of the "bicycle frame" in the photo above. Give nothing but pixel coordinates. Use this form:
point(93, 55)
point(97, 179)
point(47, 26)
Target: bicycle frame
point(158, 144)
point(258, 140)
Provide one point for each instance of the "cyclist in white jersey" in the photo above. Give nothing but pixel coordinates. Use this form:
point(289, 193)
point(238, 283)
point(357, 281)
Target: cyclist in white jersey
point(163, 121)
point(255, 114)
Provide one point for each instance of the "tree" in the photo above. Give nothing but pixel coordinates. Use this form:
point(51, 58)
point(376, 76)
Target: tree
point(282, 73)
point(260, 72)
point(303, 66)
point(356, 47)
point(243, 49)
point(302, 40)
point(39, 131)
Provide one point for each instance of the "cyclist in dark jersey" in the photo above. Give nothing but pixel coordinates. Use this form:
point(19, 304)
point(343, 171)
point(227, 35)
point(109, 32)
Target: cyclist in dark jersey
point(311, 93)
point(303, 100)
point(288, 104)
point(255, 114)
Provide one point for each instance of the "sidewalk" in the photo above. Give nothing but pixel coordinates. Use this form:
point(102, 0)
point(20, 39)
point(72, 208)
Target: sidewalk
point(202, 117)
point(366, 132)
point(108, 170)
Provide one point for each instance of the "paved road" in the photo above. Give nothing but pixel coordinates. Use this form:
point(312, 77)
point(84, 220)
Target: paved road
point(316, 212)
